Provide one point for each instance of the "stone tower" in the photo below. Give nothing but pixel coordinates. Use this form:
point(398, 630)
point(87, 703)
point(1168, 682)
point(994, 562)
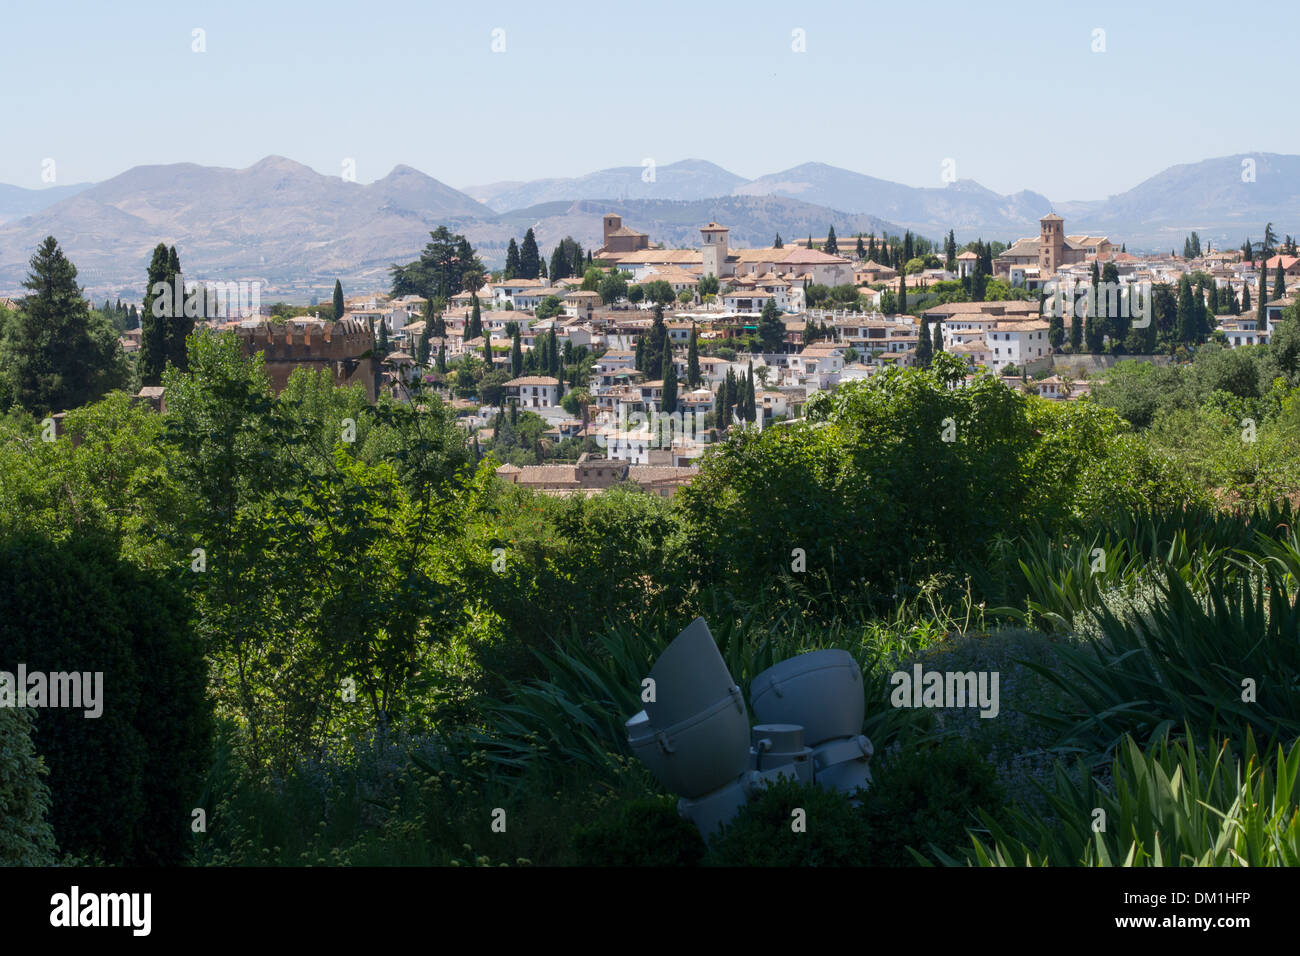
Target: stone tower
point(612, 225)
point(714, 246)
point(1051, 244)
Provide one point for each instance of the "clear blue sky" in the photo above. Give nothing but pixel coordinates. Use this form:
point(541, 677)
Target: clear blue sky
point(1011, 91)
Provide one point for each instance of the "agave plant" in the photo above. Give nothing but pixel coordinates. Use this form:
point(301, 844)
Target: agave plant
point(1225, 661)
point(577, 712)
point(1170, 805)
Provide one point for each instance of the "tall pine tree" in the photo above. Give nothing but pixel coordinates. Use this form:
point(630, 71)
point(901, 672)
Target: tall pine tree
point(58, 354)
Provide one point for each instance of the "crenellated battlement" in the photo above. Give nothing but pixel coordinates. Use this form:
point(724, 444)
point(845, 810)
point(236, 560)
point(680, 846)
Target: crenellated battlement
point(338, 346)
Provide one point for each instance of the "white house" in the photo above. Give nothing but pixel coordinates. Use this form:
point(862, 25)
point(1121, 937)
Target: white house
point(1015, 344)
point(535, 391)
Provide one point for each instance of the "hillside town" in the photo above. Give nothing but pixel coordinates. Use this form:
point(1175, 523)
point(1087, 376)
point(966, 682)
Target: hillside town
point(405, 483)
point(626, 363)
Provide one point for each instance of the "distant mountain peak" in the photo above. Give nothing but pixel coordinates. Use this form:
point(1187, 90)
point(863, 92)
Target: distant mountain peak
point(279, 164)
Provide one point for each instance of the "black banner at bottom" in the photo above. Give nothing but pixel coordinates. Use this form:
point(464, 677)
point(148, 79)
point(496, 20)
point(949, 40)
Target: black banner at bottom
point(335, 906)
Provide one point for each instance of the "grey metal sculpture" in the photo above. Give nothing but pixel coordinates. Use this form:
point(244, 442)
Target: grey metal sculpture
point(694, 734)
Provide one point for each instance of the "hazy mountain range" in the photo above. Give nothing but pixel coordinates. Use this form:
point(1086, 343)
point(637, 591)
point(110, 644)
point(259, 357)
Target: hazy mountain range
point(297, 230)
point(16, 202)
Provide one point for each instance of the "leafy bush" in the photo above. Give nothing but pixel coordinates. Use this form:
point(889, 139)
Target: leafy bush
point(25, 835)
point(924, 796)
point(647, 832)
point(763, 834)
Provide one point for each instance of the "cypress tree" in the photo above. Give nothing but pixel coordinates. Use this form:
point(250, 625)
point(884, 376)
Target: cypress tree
point(1117, 325)
point(693, 361)
point(422, 350)
point(902, 293)
point(750, 413)
point(512, 260)
point(180, 325)
point(338, 300)
point(861, 250)
point(475, 319)
point(516, 354)
point(777, 243)
point(529, 260)
point(1245, 298)
point(1097, 305)
point(669, 402)
point(383, 338)
point(924, 344)
point(1187, 324)
point(1202, 316)
point(655, 347)
point(1279, 281)
point(487, 352)
point(442, 359)
point(937, 344)
point(428, 317)
point(153, 326)
point(832, 244)
point(1076, 331)
point(1056, 330)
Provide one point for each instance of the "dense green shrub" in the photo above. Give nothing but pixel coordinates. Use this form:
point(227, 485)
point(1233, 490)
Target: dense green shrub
point(927, 795)
point(25, 835)
point(647, 832)
point(123, 784)
point(902, 475)
point(763, 832)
